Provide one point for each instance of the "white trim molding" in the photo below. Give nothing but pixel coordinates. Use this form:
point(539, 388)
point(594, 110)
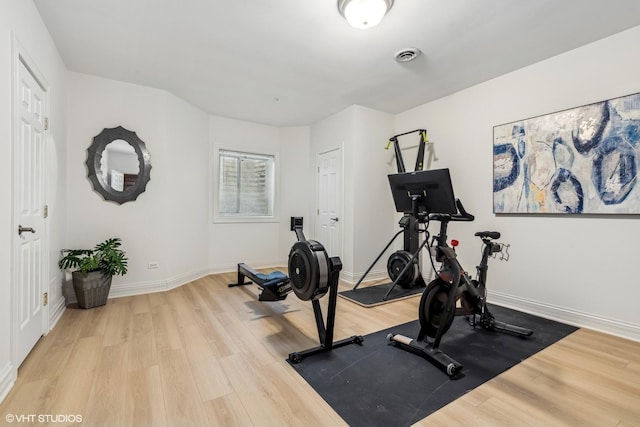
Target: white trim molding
point(572, 317)
point(125, 290)
point(228, 268)
point(56, 310)
point(8, 376)
point(351, 277)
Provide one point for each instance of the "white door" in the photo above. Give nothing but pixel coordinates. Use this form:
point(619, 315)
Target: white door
point(329, 224)
point(28, 202)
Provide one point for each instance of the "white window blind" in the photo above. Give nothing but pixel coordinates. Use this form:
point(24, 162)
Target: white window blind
point(246, 184)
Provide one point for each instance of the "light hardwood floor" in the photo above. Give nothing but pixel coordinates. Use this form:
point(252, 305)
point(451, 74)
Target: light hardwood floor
point(204, 354)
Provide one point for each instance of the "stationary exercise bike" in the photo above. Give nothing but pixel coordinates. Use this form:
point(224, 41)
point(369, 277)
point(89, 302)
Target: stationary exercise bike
point(453, 292)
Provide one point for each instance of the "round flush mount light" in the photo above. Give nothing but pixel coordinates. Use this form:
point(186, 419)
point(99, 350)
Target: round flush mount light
point(407, 55)
point(364, 14)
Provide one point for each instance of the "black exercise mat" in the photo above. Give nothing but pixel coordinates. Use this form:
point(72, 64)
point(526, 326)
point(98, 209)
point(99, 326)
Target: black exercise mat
point(371, 296)
point(377, 384)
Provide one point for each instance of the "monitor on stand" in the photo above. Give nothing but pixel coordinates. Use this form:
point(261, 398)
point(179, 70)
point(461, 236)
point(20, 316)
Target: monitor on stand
point(423, 192)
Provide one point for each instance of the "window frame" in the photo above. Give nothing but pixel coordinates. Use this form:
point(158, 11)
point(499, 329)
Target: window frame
point(240, 218)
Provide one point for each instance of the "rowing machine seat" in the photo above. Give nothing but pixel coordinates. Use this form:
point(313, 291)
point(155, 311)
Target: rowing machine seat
point(275, 286)
point(271, 279)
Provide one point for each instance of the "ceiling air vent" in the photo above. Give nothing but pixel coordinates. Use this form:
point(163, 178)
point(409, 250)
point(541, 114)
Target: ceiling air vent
point(407, 55)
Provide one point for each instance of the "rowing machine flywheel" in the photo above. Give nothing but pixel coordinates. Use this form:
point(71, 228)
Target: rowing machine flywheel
point(309, 270)
point(397, 262)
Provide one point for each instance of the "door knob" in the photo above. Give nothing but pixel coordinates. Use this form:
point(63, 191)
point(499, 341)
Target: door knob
point(334, 219)
point(22, 229)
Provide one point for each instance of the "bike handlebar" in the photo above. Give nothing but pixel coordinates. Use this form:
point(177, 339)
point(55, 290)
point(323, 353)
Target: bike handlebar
point(462, 216)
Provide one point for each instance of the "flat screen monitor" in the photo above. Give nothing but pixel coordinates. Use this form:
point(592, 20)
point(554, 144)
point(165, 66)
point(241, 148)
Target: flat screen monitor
point(432, 190)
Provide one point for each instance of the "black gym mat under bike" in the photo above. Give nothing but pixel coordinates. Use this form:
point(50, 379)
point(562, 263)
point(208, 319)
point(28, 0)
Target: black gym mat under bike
point(376, 384)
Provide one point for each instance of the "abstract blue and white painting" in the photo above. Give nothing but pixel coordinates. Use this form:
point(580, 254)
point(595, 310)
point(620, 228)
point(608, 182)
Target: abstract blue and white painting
point(579, 161)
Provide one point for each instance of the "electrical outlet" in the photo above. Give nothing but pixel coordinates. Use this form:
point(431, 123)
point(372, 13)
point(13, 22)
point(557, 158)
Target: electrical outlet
point(153, 265)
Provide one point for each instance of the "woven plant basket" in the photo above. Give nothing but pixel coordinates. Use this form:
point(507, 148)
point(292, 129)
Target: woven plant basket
point(92, 289)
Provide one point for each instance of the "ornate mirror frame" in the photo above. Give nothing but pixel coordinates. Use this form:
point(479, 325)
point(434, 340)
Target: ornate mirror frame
point(94, 157)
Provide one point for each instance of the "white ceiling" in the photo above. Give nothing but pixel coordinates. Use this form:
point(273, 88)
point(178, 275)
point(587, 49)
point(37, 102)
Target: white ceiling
point(293, 62)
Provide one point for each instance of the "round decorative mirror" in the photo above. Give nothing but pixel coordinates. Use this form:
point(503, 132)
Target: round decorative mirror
point(118, 164)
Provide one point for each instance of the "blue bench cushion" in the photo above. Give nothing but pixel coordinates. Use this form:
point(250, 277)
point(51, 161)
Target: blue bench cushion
point(272, 279)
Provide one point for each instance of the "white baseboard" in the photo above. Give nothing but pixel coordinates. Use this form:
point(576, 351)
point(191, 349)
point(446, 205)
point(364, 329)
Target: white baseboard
point(183, 279)
point(228, 268)
point(55, 311)
point(130, 289)
point(571, 317)
point(8, 376)
point(351, 277)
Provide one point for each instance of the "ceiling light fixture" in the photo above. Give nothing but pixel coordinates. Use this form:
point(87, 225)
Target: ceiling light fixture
point(364, 14)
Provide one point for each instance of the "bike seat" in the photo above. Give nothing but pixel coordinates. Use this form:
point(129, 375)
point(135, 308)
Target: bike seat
point(490, 234)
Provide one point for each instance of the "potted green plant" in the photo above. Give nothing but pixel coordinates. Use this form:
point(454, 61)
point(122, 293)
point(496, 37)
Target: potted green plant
point(94, 270)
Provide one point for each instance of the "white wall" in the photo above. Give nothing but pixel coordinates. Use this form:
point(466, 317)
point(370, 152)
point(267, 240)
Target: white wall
point(580, 269)
point(260, 244)
point(362, 134)
point(166, 223)
point(371, 195)
point(296, 194)
point(20, 19)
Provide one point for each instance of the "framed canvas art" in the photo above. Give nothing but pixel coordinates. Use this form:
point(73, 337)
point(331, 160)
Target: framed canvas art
point(578, 161)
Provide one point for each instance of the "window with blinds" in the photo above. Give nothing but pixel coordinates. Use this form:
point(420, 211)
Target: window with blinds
point(245, 184)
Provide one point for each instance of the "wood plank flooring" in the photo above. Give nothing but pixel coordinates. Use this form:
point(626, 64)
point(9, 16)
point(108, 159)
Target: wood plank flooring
point(204, 354)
